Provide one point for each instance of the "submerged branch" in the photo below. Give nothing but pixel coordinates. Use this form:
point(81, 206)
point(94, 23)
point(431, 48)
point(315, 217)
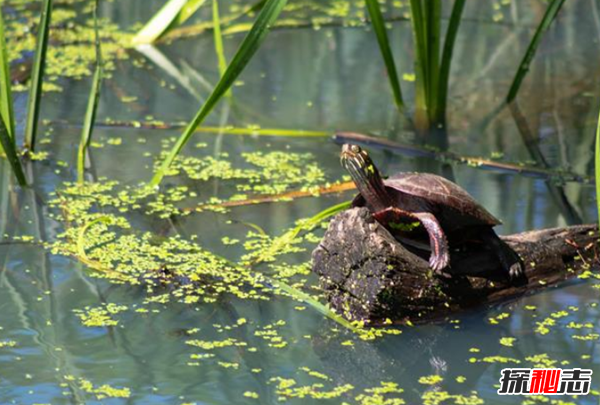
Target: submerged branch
point(287, 196)
point(229, 130)
point(411, 150)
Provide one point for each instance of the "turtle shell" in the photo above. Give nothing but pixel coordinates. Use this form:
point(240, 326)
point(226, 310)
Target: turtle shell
point(428, 192)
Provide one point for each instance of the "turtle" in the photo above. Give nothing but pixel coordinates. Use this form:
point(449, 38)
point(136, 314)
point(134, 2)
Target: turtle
point(443, 211)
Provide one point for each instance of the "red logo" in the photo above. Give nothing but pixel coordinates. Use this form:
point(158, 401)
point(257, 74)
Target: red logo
point(545, 381)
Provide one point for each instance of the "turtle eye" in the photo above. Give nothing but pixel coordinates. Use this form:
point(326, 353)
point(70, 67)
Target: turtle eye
point(355, 148)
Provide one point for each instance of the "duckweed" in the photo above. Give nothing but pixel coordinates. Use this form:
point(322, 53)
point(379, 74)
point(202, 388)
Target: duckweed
point(495, 320)
point(443, 397)
point(494, 359)
point(288, 388)
point(507, 341)
point(7, 343)
point(100, 316)
point(542, 360)
point(103, 391)
point(71, 52)
point(431, 379)
point(386, 394)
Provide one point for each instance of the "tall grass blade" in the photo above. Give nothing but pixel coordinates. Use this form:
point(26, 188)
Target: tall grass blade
point(549, 16)
point(219, 49)
point(6, 101)
point(297, 294)
point(37, 76)
point(433, 12)
point(196, 29)
point(11, 153)
point(386, 52)
point(248, 48)
point(317, 219)
point(421, 63)
point(597, 167)
point(92, 106)
point(172, 14)
point(315, 304)
point(187, 11)
point(446, 61)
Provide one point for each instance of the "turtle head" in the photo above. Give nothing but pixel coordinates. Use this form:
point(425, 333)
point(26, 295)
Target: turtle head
point(365, 175)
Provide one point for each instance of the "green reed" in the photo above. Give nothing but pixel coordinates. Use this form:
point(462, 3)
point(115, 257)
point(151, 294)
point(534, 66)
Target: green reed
point(433, 62)
point(551, 13)
point(37, 76)
point(6, 104)
point(7, 119)
point(219, 48)
point(172, 14)
point(11, 153)
point(92, 105)
point(384, 47)
point(432, 66)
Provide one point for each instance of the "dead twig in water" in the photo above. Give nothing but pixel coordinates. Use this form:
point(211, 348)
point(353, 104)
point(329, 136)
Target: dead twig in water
point(287, 196)
point(381, 143)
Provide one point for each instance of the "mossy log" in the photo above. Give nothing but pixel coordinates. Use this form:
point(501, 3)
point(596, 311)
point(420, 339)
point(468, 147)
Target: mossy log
point(367, 275)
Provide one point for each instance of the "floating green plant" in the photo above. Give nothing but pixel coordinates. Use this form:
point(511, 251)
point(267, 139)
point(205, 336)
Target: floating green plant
point(107, 243)
point(99, 234)
point(103, 391)
point(100, 316)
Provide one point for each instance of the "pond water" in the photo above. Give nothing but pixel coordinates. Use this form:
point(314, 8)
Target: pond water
point(325, 79)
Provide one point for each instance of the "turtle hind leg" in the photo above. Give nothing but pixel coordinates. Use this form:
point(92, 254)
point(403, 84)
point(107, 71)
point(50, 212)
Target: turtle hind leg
point(509, 259)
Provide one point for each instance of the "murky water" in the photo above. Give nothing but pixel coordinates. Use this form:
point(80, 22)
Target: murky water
point(326, 79)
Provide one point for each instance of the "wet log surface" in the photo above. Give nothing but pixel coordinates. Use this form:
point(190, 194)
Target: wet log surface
point(367, 275)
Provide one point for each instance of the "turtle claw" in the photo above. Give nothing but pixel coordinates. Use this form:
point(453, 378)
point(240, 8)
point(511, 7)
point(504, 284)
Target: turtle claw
point(439, 263)
point(516, 273)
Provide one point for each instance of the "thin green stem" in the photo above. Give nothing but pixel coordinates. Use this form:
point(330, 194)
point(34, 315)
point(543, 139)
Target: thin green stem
point(418, 26)
point(434, 11)
point(171, 15)
point(92, 106)
point(219, 49)
point(37, 76)
point(551, 12)
point(11, 153)
point(384, 47)
point(446, 62)
point(6, 100)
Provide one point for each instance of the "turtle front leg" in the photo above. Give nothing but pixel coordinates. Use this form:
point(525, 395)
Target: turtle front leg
point(440, 254)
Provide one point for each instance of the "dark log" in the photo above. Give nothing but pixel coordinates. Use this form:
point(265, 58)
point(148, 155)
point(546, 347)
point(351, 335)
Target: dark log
point(367, 275)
